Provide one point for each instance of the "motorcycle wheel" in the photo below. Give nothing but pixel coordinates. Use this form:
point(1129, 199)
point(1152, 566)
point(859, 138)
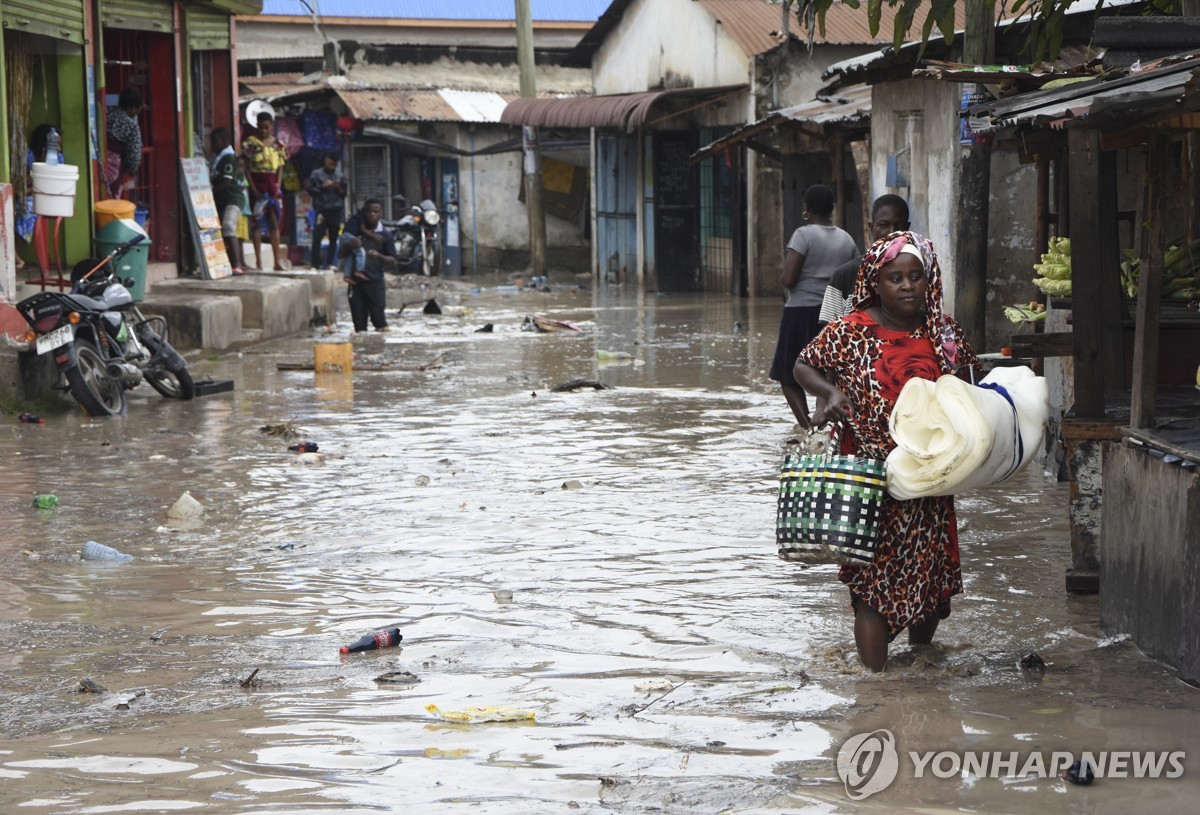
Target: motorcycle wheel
point(173, 385)
point(430, 261)
point(91, 386)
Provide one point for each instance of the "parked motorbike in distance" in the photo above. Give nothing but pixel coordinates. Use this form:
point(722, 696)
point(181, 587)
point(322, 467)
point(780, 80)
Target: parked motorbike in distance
point(417, 237)
point(101, 342)
point(431, 239)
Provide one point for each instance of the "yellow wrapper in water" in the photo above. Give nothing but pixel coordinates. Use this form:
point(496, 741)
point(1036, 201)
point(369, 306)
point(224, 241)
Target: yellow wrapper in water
point(488, 713)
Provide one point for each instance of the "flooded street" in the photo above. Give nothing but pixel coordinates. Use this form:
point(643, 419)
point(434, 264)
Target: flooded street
point(441, 487)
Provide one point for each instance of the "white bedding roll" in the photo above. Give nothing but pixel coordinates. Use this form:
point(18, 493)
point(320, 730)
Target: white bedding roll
point(952, 436)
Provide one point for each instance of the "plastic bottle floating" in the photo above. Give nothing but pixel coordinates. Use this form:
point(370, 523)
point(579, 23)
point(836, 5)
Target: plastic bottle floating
point(372, 642)
point(478, 715)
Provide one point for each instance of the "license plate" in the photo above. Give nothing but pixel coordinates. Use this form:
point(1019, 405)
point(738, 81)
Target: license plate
point(59, 336)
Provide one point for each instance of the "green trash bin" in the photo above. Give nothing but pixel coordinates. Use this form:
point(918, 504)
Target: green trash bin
point(134, 262)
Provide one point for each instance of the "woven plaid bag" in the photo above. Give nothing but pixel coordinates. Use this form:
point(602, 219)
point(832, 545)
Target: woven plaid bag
point(829, 504)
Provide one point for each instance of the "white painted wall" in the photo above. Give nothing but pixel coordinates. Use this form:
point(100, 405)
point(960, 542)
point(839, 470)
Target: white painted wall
point(264, 38)
point(667, 43)
point(490, 212)
point(919, 118)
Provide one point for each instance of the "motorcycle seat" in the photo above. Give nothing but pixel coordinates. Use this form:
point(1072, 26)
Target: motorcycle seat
point(81, 302)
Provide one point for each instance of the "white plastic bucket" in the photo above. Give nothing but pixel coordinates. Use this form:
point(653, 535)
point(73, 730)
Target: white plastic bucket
point(54, 189)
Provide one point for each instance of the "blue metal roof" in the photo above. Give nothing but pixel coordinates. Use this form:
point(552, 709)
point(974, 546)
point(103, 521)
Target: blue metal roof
point(558, 11)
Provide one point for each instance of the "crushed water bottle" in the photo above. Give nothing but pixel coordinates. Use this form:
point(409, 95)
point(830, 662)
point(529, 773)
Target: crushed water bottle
point(45, 501)
point(98, 551)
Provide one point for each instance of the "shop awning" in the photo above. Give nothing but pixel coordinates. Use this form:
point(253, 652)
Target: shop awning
point(398, 104)
point(1116, 103)
point(626, 111)
point(848, 110)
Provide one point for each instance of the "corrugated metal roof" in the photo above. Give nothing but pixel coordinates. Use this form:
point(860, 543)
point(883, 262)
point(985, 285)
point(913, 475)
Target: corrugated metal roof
point(625, 111)
point(1151, 89)
point(849, 109)
point(753, 24)
point(557, 11)
point(397, 104)
point(850, 71)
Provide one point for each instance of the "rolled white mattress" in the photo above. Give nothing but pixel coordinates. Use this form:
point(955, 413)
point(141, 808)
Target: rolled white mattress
point(953, 436)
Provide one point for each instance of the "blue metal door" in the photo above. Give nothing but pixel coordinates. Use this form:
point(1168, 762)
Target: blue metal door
point(616, 207)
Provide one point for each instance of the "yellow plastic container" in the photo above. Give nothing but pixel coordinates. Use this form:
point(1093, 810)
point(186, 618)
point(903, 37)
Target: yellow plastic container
point(113, 210)
point(333, 357)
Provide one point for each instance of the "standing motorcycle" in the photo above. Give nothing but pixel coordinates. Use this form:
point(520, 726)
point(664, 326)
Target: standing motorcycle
point(431, 240)
point(418, 243)
point(100, 340)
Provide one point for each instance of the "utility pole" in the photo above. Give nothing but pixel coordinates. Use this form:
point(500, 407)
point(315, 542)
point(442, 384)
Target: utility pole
point(971, 255)
point(533, 159)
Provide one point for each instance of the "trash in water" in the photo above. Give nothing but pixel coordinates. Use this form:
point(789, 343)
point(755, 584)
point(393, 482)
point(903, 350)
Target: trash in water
point(1080, 772)
point(98, 551)
point(305, 447)
point(1032, 662)
point(29, 418)
point(487, 329)
point(88, 686)
point(308, 458)
point(488, 713)
point(654, 686)
point(503, 595)
point(572, 485)
point(186, 508)
point(397, 678)
point(577, 384)
point(129, 699)
point(45, 501)
point(613, 356)
point(540, 322)
point(432, 307)
point(371, 642)
point(287, 430)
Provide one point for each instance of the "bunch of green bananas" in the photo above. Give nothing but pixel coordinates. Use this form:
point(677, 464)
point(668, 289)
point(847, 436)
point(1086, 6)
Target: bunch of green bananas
point(1181, 272)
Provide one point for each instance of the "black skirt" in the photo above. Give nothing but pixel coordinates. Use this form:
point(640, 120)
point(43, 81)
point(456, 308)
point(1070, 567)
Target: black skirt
point(797, 328)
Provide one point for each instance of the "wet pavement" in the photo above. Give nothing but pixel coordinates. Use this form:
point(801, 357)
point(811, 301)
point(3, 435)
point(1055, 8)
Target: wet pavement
point(440, 490)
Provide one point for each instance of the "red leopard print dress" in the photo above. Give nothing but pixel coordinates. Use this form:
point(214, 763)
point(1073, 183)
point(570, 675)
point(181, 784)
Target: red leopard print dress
point(916, 567)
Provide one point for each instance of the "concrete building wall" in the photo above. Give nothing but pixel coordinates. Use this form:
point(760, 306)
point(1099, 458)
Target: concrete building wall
point(1011, 250)
point(667, 43)
point(494, 224)
point(917, 121)
point(263, 38)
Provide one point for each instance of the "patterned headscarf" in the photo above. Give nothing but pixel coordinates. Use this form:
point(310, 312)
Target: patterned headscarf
point(937, 324)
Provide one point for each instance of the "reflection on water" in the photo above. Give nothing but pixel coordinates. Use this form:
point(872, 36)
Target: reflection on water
point(440, 487)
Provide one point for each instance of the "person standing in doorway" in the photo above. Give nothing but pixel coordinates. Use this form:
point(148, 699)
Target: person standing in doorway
point(327, 188)
point(365, 251)
point(123, 148)
point(265, 157)
point(814, 251)
point(227, 193)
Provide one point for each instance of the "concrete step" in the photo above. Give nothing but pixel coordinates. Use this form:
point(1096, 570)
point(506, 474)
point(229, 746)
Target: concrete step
point(323, 286)
point(277, 305)
point(207, 321)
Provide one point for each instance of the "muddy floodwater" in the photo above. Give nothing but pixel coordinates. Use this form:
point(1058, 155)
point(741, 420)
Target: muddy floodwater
point(673, 663)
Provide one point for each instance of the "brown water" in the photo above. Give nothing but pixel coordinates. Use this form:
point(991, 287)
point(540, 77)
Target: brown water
point(440, 487)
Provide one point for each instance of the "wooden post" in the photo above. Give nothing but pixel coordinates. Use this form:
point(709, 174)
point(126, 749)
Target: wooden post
point(1145, 338)
point(974, 192)
point(1083, 158)
point(839, 179)
point(1112, 332)
point(533, 159)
